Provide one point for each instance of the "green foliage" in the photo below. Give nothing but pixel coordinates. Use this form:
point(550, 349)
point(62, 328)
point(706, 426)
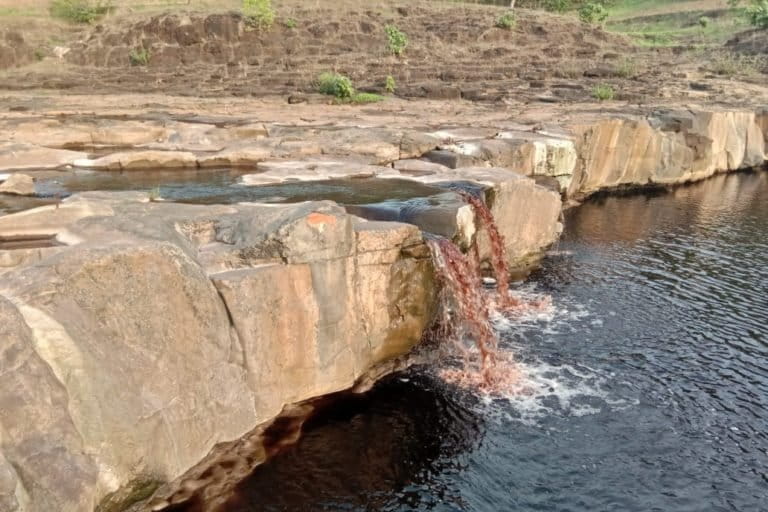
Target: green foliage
point(757, 13)
point(39, 54)
point(603, 92)
point(79, 11)
point(291, 23)
point(139, 57)
point(704, 21)
point(389, 84)
point(259, 13)
point(558, 5)
point(593, 13)
point(336, 85)
point(397, 41)
point(365, 97)
point(507, 21)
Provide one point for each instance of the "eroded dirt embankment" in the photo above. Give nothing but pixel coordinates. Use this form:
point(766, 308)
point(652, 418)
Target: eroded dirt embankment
point(453, 52)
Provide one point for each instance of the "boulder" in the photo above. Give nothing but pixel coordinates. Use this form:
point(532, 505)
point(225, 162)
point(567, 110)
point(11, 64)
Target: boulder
point(151, 334)
point(19, 185)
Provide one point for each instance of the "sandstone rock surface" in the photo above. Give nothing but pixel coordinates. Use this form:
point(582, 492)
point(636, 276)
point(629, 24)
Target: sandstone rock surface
point(150, 336)
point(19, 185)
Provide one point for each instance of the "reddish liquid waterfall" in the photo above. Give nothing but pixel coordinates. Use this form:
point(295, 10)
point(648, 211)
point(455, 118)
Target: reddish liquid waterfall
point(498, 248)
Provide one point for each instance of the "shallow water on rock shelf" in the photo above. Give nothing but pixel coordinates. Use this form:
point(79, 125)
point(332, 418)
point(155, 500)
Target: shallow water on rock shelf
point(646, 382)
point(216, 187)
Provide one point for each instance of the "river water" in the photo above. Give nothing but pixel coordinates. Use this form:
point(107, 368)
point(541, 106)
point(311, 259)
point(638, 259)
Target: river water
point(647, 382)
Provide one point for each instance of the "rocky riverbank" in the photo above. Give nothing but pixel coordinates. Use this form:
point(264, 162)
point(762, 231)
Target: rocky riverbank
point(139, 333)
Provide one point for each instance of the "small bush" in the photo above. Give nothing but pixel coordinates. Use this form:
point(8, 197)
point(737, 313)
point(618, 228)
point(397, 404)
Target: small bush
point(139, 57)
point(593, 13)
point(389, 85)
point(336, 85)
point(259, 13)
point(704, 21)
point(397, 41)
point(507, 21)
point(757, 13)
point(291, 23)
point(79, 11)
point(39, 54)
point(366, 97)
point(603, 92)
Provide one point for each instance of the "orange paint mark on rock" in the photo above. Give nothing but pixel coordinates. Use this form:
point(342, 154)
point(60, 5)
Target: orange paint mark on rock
point(315, 218)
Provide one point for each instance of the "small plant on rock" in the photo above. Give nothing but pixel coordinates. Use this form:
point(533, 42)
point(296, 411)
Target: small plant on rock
point(79, 11)
point(334, 84)
point(603, 92)
point(259, 13)
point(139, 57)
point(757, 13)
point(593, 13)
point(397, 41)
point(290, 23)
point(506, 21)
point(389, 84)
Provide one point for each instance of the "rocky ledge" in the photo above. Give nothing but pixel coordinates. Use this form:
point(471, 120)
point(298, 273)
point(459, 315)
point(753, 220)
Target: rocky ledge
point(136, 335)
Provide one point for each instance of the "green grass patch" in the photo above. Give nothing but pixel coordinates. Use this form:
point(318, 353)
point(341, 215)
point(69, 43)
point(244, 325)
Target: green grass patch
point(506, 21)
point(362, 98)
point(139, 57)
point(79, 11)
point(603, 92)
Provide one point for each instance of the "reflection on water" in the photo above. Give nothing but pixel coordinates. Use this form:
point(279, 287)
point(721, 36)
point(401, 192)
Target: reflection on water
point(649, 379)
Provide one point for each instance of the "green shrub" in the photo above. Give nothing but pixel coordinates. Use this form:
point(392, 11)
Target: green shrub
point(291, 23)
point(507, 21)
point(259, 13)
point(336, 85)
point(397, 41)
point(139, 57)
point(757, 13)
point(39, 54)
point(79, 11)
point(389, 84)
point(704, 21)
point(593, 13)
point(366, 97)
point(603, 92)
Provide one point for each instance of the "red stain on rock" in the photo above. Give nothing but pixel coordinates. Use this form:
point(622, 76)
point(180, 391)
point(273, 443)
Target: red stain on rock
point(315, 218)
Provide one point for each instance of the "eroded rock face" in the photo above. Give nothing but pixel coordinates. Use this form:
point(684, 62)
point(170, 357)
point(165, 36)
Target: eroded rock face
point(672, 147)
point(131, 353)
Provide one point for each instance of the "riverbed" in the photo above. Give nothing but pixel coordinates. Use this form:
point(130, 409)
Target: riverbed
point(647, 382)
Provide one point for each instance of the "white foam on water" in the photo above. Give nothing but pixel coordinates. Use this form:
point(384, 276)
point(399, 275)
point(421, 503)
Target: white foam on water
point(545, 390)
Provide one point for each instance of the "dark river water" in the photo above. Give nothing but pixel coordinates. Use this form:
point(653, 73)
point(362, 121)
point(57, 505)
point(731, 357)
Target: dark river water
point(649, 382)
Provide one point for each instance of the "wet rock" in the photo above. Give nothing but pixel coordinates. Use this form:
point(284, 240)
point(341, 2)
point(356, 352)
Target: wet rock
point(19, 185)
